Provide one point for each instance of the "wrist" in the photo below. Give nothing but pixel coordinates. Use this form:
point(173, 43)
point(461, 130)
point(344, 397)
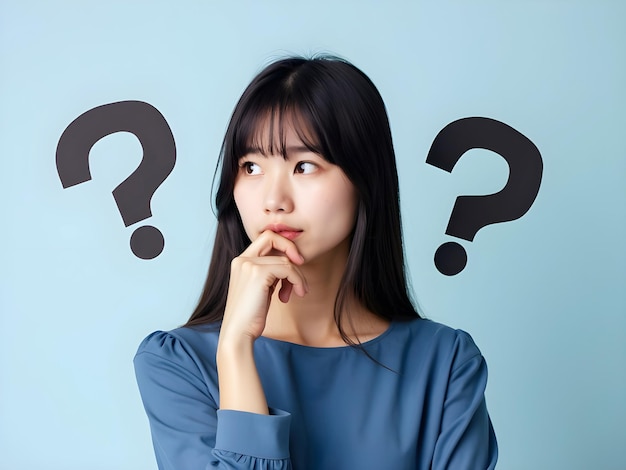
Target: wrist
point(239, 382)
point(233, 347)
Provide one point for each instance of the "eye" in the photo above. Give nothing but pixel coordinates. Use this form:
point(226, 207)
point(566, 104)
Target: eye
point(305, 168)
point(250, 168)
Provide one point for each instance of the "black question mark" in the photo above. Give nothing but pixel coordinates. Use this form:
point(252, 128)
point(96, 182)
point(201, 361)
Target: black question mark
point(133, 195)
point(471, 213)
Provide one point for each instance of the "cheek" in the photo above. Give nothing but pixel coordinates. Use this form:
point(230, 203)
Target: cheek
point(340, 209)
point(243, 204)
point(237, 196)
point(244, 197)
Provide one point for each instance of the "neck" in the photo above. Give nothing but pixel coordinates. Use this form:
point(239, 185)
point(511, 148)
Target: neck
point(310, 320)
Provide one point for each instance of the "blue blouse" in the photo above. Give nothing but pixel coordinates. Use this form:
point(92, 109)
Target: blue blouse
point(330, 408)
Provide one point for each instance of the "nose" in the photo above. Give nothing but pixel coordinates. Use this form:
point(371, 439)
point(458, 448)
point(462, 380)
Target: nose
point(278, 195)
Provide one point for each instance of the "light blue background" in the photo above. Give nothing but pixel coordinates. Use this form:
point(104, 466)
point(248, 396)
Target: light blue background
point(543, 296)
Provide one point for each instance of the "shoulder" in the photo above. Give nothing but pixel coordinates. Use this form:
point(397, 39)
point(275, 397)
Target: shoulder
point(430, 333)
point(435, 342)
point(190, 348)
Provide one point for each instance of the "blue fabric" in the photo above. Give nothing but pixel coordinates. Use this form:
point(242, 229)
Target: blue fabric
point(330, 408)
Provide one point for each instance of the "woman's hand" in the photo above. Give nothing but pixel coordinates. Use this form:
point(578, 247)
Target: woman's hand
point(254, 275)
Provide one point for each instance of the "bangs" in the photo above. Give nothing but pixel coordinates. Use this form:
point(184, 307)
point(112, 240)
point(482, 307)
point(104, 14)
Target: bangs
point(263, 129)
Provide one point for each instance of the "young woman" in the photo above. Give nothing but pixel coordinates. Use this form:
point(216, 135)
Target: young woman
point(305, 350)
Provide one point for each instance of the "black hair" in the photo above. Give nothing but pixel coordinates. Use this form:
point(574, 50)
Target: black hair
point(337, 112)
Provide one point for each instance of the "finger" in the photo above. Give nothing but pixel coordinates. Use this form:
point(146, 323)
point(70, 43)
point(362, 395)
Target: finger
point(279, 261)
point(269, 243)
point(285, 291)
point(272, 288)
point(292, 280)
point(272, 269)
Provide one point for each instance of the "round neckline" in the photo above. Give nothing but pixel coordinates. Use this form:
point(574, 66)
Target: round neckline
point(380, 337)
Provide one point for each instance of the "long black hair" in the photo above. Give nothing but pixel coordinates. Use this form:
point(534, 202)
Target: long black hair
point(338, 113)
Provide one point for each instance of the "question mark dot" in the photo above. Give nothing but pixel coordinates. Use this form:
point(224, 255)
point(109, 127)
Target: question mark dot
point(450, 258)
point(147, 242)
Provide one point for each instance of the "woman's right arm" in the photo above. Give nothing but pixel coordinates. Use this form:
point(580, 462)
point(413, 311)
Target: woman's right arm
point(189, 429)
point(270, 259)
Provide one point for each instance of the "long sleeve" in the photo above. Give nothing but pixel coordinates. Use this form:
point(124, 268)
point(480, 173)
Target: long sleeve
point(466, 439)
point(188, 430)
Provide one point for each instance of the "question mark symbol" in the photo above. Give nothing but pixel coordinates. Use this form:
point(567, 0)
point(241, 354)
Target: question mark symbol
point(471, 213)
point(133, 195)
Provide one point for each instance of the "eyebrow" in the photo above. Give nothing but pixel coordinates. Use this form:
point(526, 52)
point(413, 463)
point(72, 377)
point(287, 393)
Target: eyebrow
point(288, 150)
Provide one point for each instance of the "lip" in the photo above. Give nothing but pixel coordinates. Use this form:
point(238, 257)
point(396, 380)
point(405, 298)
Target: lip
point(284, 230)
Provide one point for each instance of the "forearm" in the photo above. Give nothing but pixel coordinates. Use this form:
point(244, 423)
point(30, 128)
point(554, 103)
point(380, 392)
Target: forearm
point(193, 434)
point(239, 382)
point(254, 276)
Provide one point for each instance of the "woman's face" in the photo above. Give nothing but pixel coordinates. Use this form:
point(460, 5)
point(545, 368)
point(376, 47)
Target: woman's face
point(302, 197)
